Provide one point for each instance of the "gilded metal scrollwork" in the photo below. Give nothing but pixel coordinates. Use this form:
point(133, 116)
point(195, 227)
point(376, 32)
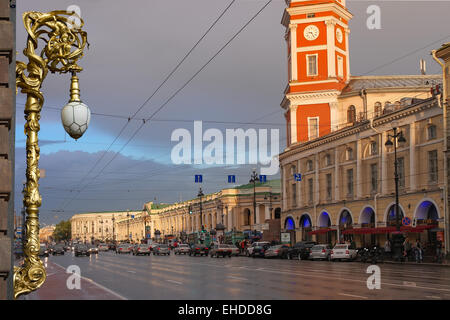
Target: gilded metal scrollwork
point(65, 43)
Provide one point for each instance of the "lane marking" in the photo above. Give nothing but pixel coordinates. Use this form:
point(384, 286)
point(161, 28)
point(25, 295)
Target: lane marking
point(173, 281)
point(433, 297)
point(352, 295)
point(409, 284)
point(238, 278)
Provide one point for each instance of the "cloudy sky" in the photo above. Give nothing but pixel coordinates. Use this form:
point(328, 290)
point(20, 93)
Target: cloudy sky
point(135, 44)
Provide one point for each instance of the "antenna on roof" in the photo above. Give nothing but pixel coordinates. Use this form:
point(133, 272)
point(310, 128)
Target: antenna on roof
point(423, 67)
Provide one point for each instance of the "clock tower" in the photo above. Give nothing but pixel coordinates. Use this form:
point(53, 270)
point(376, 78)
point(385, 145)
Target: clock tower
point(318, 66)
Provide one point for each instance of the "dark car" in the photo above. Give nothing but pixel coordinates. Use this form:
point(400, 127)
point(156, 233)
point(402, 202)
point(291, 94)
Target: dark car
point(58, 249)
point(112, 246)
point(81, 250)
point(43, 250)
point(198, 249)
point(260, 250)
point(301, 250)
point(278, 251)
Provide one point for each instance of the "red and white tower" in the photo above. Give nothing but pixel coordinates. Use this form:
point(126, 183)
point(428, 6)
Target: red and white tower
point(318, 66)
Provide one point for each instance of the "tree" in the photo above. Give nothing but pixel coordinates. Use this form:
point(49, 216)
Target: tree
point(63, 231)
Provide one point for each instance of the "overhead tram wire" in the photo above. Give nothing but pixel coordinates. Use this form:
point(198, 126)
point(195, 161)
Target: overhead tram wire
point(159, 87)
point(176, 93)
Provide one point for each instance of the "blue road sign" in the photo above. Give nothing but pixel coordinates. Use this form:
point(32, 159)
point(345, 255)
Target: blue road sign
point(298, 176)
point(198, 178)
point(406, 221)
point(231, 179)
point(132, 216)
point(262, 178)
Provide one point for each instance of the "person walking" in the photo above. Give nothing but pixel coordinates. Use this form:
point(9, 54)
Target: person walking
point(407, 248)
point(387, 248)
point(439, 251)
point(418, 252)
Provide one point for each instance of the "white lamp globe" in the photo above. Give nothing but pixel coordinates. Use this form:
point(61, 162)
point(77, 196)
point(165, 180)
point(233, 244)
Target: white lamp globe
point(75, 117)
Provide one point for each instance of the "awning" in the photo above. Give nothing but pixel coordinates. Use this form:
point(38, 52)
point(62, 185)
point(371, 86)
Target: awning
point(321, 231)
point(387, 229)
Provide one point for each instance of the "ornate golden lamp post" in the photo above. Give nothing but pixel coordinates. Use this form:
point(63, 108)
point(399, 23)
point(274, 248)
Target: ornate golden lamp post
point(64, 45)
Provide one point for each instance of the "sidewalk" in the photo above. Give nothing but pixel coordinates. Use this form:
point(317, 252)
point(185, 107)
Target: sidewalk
point(445, 263)
point(55, 288)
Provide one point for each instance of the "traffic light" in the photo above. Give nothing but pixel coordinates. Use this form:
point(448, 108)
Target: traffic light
point(190, 209)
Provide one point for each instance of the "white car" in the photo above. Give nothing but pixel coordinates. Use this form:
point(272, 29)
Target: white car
point(343, 252)
point(181, 249)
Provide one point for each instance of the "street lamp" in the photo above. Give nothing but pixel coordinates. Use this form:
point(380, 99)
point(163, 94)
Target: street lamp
point(128, 226)
point(114, 230)
point(200, 195)
point(253, 179)
point(64, 45)
point(397, 236)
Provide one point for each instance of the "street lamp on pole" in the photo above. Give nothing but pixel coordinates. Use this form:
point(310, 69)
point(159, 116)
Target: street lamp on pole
point(397, 237)
point(253, 179)
point(200, 195)
point(64, 45)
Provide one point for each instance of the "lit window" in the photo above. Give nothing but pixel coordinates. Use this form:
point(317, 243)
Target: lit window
point(312, 64)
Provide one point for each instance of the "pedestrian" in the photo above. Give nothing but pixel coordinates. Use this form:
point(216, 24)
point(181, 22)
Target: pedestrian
point(387, 248)
point(439, 251)
point(418, 252)
point(407, 248)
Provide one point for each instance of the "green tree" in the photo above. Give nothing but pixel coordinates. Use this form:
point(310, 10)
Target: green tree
point(63, 231)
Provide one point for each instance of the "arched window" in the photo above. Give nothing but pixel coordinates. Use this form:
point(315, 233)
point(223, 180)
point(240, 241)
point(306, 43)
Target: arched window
point(351, 114)
point(378, 109)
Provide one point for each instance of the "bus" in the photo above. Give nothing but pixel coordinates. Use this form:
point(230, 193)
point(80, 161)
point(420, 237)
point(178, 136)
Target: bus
point(232, 236)
point(200, 238)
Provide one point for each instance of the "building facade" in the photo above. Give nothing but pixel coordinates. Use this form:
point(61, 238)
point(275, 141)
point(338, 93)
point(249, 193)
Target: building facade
point(46, 234)
point(338, 125)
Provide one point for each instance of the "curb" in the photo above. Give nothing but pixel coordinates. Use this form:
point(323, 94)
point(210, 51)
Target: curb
point(419, 264)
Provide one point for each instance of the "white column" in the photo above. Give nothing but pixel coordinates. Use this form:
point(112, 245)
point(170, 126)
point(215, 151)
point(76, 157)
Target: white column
point(347, 33)
point(293, 28)
point(285, 181)
point(358, 170)
point(412, 156)
point(230, 219)
point(384, 178)
point(331, 51)
point(293, 117)
point(257, 214)
point(336, 175)
point(316, 182)
point(266, 212)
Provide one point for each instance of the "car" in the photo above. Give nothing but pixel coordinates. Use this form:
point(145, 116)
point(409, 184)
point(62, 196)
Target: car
point(112, 247)
point(81, 250)
point(260, 249)
point(198, 249)
point(181, 248)
point(103, 247)
point(234, 250)
point(58, 249)
point(43, 250)
point(161, 249)
point(67, 247)
point(343, 252)
point(320, 251)
point(141, 249)
point(220, 250)
point(93, 249)
point(250, 249)
point(301, 250)
point(124, 248)
point(278, 251)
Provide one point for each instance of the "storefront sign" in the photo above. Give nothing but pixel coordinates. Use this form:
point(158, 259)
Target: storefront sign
point(285, 237)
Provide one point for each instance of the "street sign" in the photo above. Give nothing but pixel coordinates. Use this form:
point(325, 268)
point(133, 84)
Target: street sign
point(406, 221)
point(285, 237)
point(262, 178)
point(132, 216)
point(198, 178)
point(231, 179)
point(298, 176)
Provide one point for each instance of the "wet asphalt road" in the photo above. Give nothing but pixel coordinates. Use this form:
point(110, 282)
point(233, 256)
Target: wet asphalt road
point(185, 277)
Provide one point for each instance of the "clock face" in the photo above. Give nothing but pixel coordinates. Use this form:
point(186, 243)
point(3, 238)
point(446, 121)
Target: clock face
point(339, 36)
point(311, 32)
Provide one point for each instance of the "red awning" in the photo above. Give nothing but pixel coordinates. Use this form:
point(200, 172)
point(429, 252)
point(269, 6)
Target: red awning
point(321, 231)
point(387, 229)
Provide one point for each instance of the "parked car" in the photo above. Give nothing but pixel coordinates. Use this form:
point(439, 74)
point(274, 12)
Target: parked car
point(81, 250)
point(103, 247)
point(343, 252)
point(58, 249)
point(249, 250)
point(198, 249)
point(124, 248)
point(260, 249)
point(161, 249)
point(220, 250)
point(278, 251)
point(234, 250)
point(112, 246)
point(320, 251)
point(301, 250)
point(93, 249)
point(141, 249)
point(67, 247)
point(43, 250)
point(181, 249)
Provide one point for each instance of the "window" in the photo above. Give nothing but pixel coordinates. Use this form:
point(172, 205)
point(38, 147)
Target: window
point(327, 159)
point(351, 114)
point(401, 172)
point(310, 190)
point(432, 166)
point(313, 127)
point(374, 177)
point(350, 182)
point(378, 109)
point(349, 154)
point(294, 195)
point(311, 64)
point(329, 190)
point(309, 165)
point(431, 130)
point(373, 148)
point(340, 66)
point(311, 15)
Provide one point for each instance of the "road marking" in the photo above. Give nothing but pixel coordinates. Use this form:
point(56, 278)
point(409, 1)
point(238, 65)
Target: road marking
point(433, 297)
point(237, 278)
point(173, 281)
point(352, 295)
point(131, 271)
point(409, 284)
